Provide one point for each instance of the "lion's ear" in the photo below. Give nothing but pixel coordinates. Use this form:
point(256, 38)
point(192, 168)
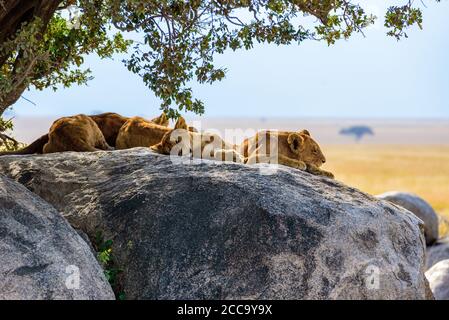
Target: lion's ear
point(296, 142)
point(181, 124)
point(162, 120)
point(306, 132)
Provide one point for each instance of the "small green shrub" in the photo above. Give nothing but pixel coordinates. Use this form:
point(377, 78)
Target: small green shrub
point(8, 143)
point(106, 258)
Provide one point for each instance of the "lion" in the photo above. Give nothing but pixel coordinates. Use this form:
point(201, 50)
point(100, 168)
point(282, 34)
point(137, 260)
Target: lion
point(138, 132)
point(75, 133)
point(294, 149)
point(183, 141)
point(108, 123)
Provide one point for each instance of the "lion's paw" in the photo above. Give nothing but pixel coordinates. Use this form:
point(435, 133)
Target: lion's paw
point(328, 174)
point(301, 166)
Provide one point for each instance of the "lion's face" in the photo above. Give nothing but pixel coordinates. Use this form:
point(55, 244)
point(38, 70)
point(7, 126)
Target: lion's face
point(165, 145)
point(312, 153)
point(176, 141)
point(178, 137)
point(307, 149)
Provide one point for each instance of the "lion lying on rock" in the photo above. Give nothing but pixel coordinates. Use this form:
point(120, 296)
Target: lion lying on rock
point(138, 132)
point(81, 133)
point(109, 124)
point(183, 141)
point(294, 149)
point(77, 133)
point(104, 131)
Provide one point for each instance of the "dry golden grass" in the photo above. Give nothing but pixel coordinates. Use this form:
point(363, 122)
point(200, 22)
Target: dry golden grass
point(375, 169)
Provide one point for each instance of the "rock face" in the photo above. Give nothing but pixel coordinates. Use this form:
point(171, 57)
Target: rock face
point(228, 231)
point(438, 277)
point(41, 255)
point(438, 252)
point(420, 208)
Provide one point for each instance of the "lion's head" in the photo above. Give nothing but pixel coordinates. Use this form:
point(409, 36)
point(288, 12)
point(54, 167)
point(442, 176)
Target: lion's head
point(162, 120)
point(178, 137)
point(305, 148)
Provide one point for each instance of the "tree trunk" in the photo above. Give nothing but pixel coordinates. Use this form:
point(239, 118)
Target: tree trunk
point(13, 13)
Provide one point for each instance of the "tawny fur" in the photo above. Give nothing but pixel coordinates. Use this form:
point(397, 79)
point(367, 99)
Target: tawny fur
point(182, 141)
point(76, 133)
point(294, 149)
point(108, 123)
point(138, 132)
point(162, 120)
point(192, 129)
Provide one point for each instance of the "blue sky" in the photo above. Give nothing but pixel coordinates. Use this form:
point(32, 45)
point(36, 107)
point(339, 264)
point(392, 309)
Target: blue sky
point(367, 77)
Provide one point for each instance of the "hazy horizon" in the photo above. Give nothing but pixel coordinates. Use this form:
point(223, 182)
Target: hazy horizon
point(326, 131)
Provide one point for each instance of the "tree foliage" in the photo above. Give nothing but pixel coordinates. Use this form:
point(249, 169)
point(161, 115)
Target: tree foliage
point(180, 39)
point(44, 56)
point(7, 143)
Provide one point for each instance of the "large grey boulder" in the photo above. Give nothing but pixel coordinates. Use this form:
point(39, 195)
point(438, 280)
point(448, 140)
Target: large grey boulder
point(230, 231)
point(418, 207)
point(437, 252)
point(438, 277)
point(41, 256)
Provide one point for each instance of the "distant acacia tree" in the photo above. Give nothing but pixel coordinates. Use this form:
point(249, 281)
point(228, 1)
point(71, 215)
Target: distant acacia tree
point(42, 46)
point(357, 131)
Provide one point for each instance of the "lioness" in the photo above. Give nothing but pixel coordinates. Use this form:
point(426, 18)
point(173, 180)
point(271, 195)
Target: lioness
point(182, 141)
point(108, 123)
point(138, 132)
point(76, 133)
point(294, 149)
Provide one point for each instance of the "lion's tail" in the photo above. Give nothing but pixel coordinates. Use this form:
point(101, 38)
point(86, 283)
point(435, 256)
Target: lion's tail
point(35, 147)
